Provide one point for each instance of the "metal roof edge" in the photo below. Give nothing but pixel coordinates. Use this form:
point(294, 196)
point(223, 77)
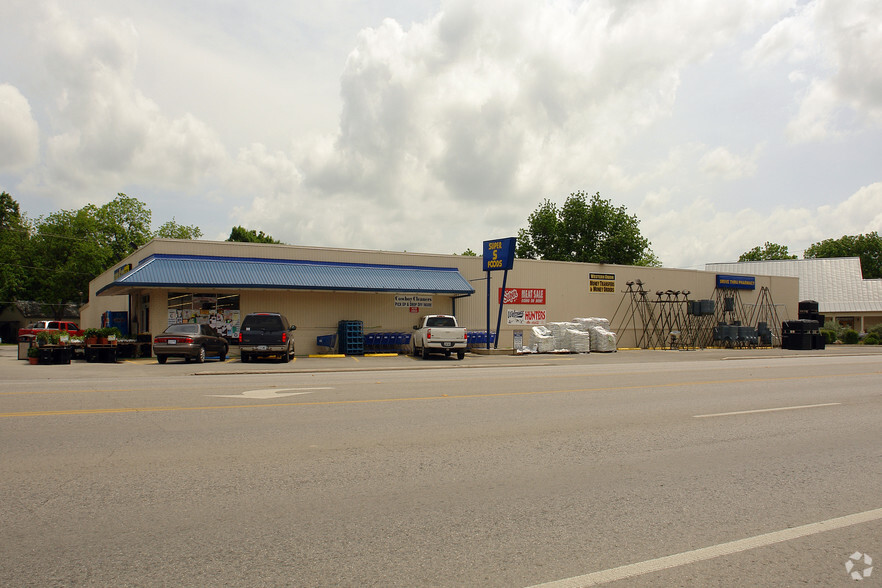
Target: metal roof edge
point(183, 256)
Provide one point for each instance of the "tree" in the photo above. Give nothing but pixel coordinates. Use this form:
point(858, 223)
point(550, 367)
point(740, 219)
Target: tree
point(123, 225)
point(868, 247)
point(769, 251)
point(243, 235)
point(586, 230)
point(469, 253)
point(14, 251)
point(173, 230)
point(69, 248)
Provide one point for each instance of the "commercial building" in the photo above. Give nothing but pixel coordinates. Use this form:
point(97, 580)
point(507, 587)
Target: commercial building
point(836, 283)
point(169, 281)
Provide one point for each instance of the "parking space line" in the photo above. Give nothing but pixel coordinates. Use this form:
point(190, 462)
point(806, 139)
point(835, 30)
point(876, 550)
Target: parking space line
point(721, 549)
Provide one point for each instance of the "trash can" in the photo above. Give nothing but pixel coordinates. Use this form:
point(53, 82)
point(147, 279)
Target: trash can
point(24, 343)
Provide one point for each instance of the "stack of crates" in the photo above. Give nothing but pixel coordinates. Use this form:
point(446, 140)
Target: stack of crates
point(350, 335)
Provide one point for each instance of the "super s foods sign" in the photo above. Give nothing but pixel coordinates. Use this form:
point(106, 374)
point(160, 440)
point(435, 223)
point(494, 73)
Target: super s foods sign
point(499, 254)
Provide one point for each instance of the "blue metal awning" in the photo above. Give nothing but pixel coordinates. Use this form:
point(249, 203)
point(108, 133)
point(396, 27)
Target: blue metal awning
point(200, 272)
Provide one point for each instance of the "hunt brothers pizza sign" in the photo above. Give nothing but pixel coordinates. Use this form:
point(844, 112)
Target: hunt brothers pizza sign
point(523, 296)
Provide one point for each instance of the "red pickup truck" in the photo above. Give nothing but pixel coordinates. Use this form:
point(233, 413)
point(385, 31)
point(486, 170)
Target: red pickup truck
point(32, 329)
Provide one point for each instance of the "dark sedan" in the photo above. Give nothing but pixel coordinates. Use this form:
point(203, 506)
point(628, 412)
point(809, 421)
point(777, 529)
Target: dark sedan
point(190, 341)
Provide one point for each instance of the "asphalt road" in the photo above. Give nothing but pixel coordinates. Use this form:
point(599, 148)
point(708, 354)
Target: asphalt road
point(704, 468)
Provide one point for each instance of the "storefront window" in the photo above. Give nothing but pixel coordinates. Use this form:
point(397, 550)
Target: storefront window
point(221, 311)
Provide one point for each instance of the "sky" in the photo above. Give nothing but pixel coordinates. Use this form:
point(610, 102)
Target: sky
point(432, 126)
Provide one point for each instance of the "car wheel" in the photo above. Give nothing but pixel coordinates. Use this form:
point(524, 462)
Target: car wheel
point(245, 358)
point(200, 358)
point(162, 358)
point(223, 353)
point(425, 353)
point(286, 356)
point(416, 351)
point(460, 354)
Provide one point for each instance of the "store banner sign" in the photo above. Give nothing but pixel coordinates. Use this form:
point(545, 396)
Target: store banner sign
point(413, 301)
point(499, 254)
point(602, 283)
point(522, 296)
point(525, 317)
point(736, 282)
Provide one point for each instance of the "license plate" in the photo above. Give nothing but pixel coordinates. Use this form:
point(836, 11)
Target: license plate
point(261, 347)
point(172, 341)
point(447, 344)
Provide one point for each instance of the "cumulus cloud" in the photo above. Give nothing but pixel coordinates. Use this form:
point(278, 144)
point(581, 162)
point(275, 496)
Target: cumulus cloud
point(839, 43)
point(452, 129)
point(722, 163)
point(19, 132)
point(491, 107)
point(105, 132)
point(697, 232)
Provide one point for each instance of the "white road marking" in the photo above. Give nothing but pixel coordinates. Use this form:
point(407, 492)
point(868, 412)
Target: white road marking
point(269, 393)
point(702, 416)
point(705, 553)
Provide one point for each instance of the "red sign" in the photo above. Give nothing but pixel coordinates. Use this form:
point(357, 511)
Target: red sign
point(523, 296)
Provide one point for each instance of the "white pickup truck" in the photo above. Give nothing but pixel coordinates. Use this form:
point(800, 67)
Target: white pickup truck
point(439, 333)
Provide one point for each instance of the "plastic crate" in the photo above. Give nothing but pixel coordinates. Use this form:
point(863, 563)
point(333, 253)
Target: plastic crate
point(350, 336)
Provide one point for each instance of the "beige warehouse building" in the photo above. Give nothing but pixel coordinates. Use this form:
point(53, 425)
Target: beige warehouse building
point(169, 281)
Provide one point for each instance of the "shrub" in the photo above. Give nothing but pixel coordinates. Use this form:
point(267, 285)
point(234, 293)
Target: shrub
point(850, 337)
point(872, 339)
point(829, 336)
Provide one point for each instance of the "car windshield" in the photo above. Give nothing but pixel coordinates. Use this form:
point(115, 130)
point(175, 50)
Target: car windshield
point(183, 329)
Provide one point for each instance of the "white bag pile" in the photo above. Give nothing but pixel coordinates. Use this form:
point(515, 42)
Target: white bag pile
point(543, 339)
point(561, 332)
point(602, 340)
point(602, 337)
point(580, 341)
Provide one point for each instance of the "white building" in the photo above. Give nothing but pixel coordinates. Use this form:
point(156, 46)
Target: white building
point(836, 283)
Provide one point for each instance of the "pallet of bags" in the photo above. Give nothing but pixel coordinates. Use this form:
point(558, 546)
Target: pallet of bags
point(580, 341)
point(602, 340)
point(561, 332)
point(588, 323)
point(543, 339)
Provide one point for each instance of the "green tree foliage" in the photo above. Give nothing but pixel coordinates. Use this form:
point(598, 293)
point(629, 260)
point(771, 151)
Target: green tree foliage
point(13, 250)
point(68, 251)
point(585, 229)
point(53, 259)
point(469, 253)
point(123, 226)
point(173, 230)
point(868, 247)
point(767, 252)
point(243, 235)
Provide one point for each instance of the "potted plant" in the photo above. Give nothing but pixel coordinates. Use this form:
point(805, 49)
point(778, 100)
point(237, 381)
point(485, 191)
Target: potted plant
point(111, 334)
point(47, 338)
point(90, 336)
point(33, 355)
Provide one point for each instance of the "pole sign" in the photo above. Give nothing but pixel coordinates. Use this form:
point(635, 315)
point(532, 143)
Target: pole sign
point(499, 254)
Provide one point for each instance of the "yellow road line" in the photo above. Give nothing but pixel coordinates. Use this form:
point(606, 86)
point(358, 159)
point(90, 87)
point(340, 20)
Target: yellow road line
point(61, 392)
point(410, 399)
